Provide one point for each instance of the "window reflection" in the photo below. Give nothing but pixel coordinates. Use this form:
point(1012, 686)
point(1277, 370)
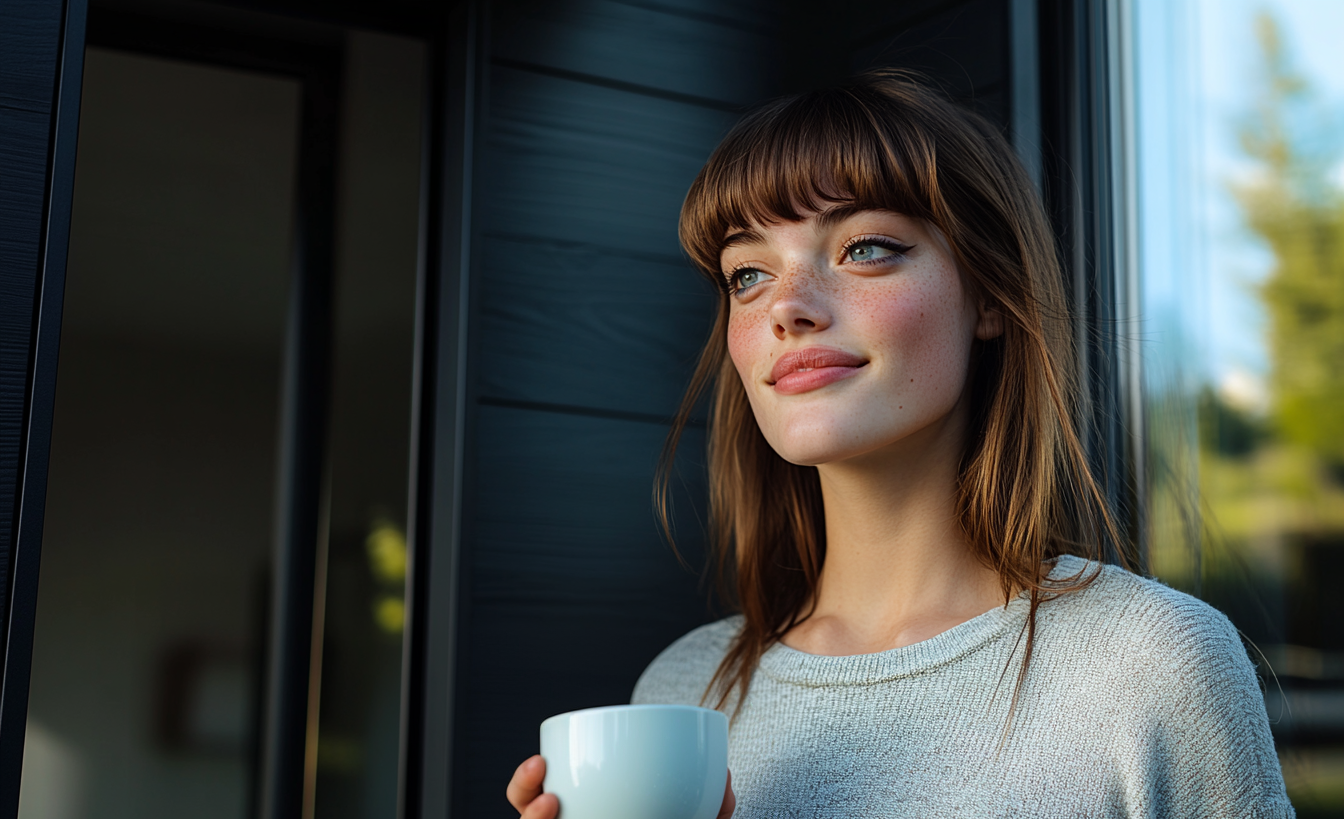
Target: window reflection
point(159, 520)
point(373, 351)
point(152, 610)
point(1242, 192)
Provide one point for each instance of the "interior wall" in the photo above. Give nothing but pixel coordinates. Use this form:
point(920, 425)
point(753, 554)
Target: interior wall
point(158, 535)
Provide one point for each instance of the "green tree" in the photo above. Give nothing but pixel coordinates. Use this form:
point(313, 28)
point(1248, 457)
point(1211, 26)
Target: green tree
point(1294, 207)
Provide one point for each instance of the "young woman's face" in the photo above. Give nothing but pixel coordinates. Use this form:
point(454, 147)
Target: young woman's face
point(851, 331)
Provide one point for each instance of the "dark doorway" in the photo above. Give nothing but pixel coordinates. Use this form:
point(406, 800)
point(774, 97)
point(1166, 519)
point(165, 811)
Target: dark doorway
point(221, 606)
point(160, 512)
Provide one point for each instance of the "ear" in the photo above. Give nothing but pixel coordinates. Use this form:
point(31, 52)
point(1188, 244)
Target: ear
point(990, 323)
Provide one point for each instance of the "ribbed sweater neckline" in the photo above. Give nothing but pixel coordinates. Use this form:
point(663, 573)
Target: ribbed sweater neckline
point(793, 666)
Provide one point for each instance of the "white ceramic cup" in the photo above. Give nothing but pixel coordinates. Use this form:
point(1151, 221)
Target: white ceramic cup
point(637, 762)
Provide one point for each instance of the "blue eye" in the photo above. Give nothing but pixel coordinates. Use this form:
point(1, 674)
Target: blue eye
point(867, 251)
point(745, 279)
point(874, 249)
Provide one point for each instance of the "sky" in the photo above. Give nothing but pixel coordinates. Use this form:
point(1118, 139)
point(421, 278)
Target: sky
point(1195, 63)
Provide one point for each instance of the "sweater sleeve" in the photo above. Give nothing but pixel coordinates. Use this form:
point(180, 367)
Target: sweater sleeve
point(682, 672)
point(1211, 753)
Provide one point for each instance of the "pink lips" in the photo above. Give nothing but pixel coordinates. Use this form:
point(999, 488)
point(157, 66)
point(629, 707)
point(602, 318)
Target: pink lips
point(812, 368)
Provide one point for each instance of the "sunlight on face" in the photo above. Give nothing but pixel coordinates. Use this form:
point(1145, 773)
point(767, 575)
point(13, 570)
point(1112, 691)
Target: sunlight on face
point(851, 331)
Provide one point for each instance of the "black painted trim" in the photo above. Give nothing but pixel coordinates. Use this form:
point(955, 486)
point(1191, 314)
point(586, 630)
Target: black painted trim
point(408, 18)
point(287, 769)
point(31, 491)
point(442, 407)
point(412, 707)
point(1077, 114)
point(228, 47)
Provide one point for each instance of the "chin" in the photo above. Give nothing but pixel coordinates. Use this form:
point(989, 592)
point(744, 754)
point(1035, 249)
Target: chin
point(806, 457)
point(823, 438)
point(817, 444)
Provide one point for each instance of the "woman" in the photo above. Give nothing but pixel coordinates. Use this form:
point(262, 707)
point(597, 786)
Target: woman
point(926, 626)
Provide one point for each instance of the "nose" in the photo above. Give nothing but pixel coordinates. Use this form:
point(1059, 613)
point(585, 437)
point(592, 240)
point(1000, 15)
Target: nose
point(798, 309)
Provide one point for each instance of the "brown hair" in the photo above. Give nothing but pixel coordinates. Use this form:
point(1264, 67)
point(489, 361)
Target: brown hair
point(1025, 493)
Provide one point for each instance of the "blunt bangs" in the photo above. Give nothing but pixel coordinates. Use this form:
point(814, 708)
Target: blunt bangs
point(806, 154)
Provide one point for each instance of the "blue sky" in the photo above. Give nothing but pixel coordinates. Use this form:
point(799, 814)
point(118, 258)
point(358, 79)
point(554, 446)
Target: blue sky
point(1196, 61)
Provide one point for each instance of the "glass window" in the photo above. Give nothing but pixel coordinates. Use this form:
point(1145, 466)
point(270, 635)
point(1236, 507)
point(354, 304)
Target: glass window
point(1241, 186)
point(159, 522)
point(157, 563)
point(374, 328)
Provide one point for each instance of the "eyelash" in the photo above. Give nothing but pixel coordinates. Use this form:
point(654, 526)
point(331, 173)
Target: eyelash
point(878, 241)
point(730, 281)
point(895, 247)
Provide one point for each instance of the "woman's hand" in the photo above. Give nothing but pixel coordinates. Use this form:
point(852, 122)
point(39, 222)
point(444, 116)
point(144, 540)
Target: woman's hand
point(729, 799)
point(525, 791)
point(525, 794)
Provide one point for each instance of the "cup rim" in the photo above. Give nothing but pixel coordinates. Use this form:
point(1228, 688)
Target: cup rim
point(639, 707)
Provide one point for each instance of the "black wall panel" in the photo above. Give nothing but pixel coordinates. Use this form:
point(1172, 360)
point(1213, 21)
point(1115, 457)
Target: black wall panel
point(41, 66)
point(585, 326)
point(562, 520)
point(29, 42)
point(573, 591)
point(714, 59)
point(576, 162)
point(962, 46)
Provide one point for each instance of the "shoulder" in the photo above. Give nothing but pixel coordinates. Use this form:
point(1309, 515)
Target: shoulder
point(681, 673)
point(1163, 651)
point(1144, 624)
point(1176, 679)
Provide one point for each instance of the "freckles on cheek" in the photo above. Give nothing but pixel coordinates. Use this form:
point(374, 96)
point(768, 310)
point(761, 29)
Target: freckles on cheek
point(741, 343)
point(922, 332)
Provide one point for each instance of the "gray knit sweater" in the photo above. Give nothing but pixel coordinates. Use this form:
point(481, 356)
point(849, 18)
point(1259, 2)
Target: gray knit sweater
point(1140, 701)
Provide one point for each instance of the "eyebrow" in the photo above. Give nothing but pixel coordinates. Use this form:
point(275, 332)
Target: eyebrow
point(745, 236)
point(828, 218)
point(836, 214)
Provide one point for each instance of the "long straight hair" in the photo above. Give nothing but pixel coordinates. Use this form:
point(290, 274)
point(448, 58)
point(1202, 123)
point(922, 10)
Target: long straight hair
point(1024, 494)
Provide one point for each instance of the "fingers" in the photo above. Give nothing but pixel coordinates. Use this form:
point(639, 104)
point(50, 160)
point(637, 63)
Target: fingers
point(545, 806)
point(525, 794)
point(525, 786)
point(729, 799)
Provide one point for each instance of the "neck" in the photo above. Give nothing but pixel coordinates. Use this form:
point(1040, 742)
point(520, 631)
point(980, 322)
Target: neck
point(899, 569)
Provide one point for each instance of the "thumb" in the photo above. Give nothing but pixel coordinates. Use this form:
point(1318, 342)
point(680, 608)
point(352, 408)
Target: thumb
point(729, 799)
